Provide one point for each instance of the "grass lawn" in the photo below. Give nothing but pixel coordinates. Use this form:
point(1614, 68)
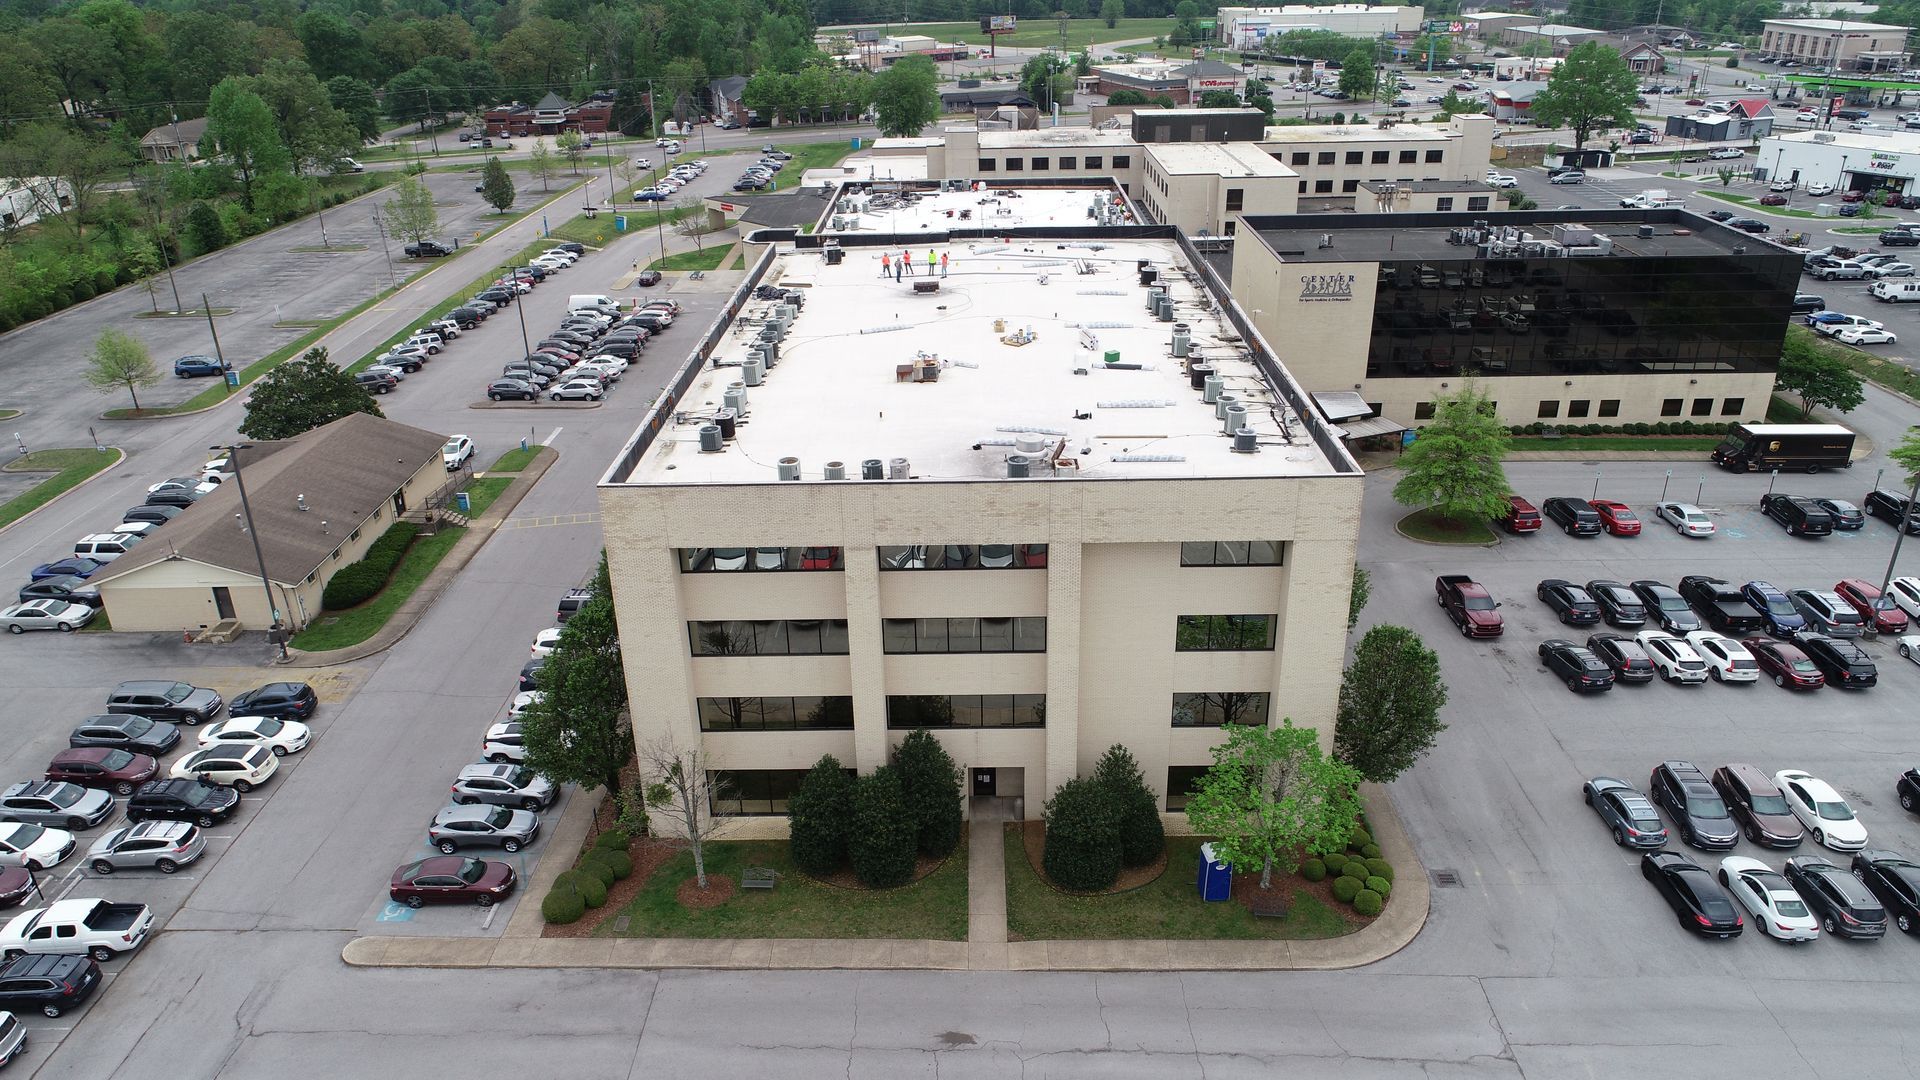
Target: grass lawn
point(739, 262)
point(339, 629)
point(1675, 443)
point(513, 460)
point(1782, 411)
point(933, 907)
point(69, 468)
point(707, 259)
point(1866, 365)
point(483, 491)
point(1165, 908)
point(1430, 526)
point(1866, 214)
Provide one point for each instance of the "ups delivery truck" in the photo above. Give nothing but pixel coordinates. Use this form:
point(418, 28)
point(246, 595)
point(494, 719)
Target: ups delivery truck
point(1803, 447)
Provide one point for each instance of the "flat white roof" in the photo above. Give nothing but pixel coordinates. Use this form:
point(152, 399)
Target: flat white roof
point(869, 167)
point(1042, 138)
point(1224, 159)
point(837, 391)
point(1886, 140)
point(1851, 25)
point(1346, 133)
point(911, 212)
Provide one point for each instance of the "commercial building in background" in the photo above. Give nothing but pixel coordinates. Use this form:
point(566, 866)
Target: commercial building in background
point(552, 115)
point(1837, 44)
point(177, 140)
point(1250, 27)
point(1184, 82)
point(1885, 160)
point(1564, 317)
point(1559, 38)
point(27, 199)
point(1054, 496)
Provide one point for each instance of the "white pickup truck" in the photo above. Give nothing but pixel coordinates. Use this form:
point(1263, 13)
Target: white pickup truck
point(1652, 199)
point(96, 927)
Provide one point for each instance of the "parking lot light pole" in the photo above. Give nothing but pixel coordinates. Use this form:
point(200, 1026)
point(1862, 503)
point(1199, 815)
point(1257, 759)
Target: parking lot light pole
point(246, 512)
point(1900, 535)
point(520, 308)
point(1663, 485)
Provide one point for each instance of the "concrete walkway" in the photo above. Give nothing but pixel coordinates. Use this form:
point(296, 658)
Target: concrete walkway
point(986, 893)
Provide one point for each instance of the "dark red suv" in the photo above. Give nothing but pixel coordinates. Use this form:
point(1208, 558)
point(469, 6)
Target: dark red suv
point(120, 771)
point(1868, 601)
point(1522, 516)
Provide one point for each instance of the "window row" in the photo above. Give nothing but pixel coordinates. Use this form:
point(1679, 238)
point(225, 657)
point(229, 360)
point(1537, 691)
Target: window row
point(1206, 633)
point(776, 714)
point(964, 557)
point(727, 560)
point(1042, 164)
point(1023, 634)
point(1348, 187)
point(1732, 406)
point(1360, 157)
point(769, 637)
point(753, 791)
point(909, 711)
point(1220, 708)
point(1474, 202)
point(1234, 553)
point(1182, 782)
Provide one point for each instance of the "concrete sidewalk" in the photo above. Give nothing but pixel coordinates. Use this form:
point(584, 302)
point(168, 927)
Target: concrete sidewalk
point(522, 947)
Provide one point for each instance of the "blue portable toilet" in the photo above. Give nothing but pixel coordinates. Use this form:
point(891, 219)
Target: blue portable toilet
point(1215, 879)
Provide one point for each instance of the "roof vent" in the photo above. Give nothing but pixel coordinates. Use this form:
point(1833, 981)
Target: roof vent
point(1030, 445)
point(710, 442)
point(872, 469)
point(789, 468)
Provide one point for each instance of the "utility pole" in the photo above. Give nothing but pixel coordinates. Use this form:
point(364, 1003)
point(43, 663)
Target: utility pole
point(1900, 536)
point(207, 307)
point(381, 226)
point(276, 633)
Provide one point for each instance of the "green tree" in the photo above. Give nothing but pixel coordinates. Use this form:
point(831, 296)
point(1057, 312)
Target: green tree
point(1126, 97)
point(411, 213)
point(1454, 464)
point(357, 101)
point(83, 162)
point(1390, 703)
point(577, 731)
point(1440, 45)
point(1455, 105)
point(1112, 11)
point(1272, 794)
point(931, 782)
point(881, 834)
point(906, 97)
point(301, 395)
point(1811, 371)
point(1083, 849)
point(1725, 176)
point(316, 133)
point(1219, 99)
point(1358, 595)
point(818, 814)
point(204, 227)
point(541, 164)
point(1142, 837)
point(247, 141)
point(1357, 78)
point(571, 146)
point(1592, 90)
point(120, 361)
point(143, 260)
point(496, 186)
point(1907, 454)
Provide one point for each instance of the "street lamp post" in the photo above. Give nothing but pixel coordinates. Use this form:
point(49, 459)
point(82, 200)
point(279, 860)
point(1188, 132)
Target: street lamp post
point(277, 631)
point(207, 306)
point(381, 227)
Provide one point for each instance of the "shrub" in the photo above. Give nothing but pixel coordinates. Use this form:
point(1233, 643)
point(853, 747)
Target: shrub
point(616, 839)
point(1083, 848)
point(562, 906)
point(1334, 861)
point(1367, 902)
point(817, 817)
point(1371, 851)
point(358, 582)
point(1313, 870)
point(617, 861)
point(931, 782)
point(881, 835)
point(603, 873)
point(1360, 838)
point(592, 890)
point(1142, 837)
point(1345, 889)
point(1379, 886)
point(1378, 867)
point(1354, 869)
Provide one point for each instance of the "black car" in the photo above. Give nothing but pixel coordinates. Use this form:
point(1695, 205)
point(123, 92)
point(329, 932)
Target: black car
point(1569, 601)
point(375, 382)
point(1908, 788)
point(464, 317)
point(158, 515)
point(1899, 238)
point(427, 249)
point(1699, 811)
point(1721, 604)
point(1627, 813)
point(1891, 507)
point(498, 296)
point(48, 983)
point(1846, 516)
point(125, 731)
point(1582, 671)
point(569, 337)
point(1807, 303)
point(282, 699)
point(197, 801)
point(1627, 658)
point(1750, 225)
point(568, 245)
point(1894, 880)
point(625, 350)
point(1667, 608)
point(530, 673)
point(179, 498)
point(1845, 906)
point(65, 587)
point(1720, 215)
point(1699, 902)
point(161, 699)
point(1619, 606)
point(518, 389)
point(1576, 516)
point(1840, 660)
point(1797, 514)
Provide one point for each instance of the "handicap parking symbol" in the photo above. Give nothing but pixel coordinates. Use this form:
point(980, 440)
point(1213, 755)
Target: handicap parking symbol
point(395, 912)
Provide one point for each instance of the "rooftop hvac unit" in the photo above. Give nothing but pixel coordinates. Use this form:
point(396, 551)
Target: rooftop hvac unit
point(897, 469)
point(836, 470)
point(710, 442)
point(728, 421)
point(735, 395)
point(753, 368)
point(1646, 232)
point(1017, 466)
point(1236, 418)
point(1572, 235)
point(1222, 403)
point(1215, 385)
point(1197, 374)
point(788, 468)
point(1246, 441)
point(871, 469)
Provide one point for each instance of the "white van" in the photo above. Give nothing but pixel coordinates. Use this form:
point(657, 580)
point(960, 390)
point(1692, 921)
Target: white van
point(104, 547)
point(1891, 291)
point(595, 301)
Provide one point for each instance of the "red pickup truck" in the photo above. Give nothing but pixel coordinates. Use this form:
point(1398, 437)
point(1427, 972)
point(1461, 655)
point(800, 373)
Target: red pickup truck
point(1469, 605)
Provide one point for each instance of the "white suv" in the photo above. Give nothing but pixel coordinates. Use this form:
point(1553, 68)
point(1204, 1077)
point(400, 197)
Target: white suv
point(1673, 659)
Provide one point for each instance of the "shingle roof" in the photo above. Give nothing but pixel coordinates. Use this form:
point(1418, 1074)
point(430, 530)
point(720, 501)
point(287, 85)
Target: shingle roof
point(179, 133)
point(551, 103)
point(345, 470)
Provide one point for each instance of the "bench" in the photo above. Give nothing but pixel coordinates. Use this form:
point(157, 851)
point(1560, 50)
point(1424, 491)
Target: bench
point(759, 877)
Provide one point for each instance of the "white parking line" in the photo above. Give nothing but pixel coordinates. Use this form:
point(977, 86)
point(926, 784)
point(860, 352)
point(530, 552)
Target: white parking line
point(552, 435)
point(72, 880)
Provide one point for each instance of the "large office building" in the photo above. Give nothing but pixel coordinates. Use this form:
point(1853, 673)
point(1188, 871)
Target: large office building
point(1563, 317)
point(1049, 492)
point(1836, 44)
point(1882, 160)
point(1250, 27)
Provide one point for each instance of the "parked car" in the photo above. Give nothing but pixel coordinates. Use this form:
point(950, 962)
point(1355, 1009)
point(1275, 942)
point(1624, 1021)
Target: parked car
point(1570, 602)
point(1844, 664)
point(1580, 669)
point(122, 731)
point(1666, 608)
point(1865, 335)
point(158, 699)
point(503, 785)
point(516, 389)
point(165, 846)
point(1797, 514)
point(241, 768)
point(72, 567)
point(1845, 906)
point(1825, 815)
point(1846, 516)
point(1894, 880)
point(504, 742)
point(452, 879)
point(46, 615)
point(35, 847)
point(647, 279)
point(1826, 613)
point(1575, 516)
point(1785, 664)
point(1689, 798)
point(47, 983)
point(1619, 605)
point(1673, 659)
point(1905, 592)
point(283, 699)
point(1891, 507)
point(1616, 517)
point(1626, 813)
point(427, 249)
point(1758, 806)
point(51, 802)
point(577, 390)
point(375, 382)
point(1629, 662)
point(1876, 609)
point(193, 367)
point(1727, 660)
point(282, 737)
point(104, 767)
point(1776, 908)
point(197, 801)
point(456, 827)
point(71, 589)
point(1720, 603)
point(1777, 611)
point(1696, 900)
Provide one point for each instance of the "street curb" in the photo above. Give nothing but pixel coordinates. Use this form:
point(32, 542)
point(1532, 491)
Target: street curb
point(403, 621)
point(1495, 542)
point(55, 501)
point(1403, 919)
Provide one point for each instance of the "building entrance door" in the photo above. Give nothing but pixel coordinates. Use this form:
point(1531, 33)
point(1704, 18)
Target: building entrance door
point(223, 601)
point(984, 781)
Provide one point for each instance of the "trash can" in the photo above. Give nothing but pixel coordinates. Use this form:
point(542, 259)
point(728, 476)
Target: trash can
point(1215, 879)
point(462, 500)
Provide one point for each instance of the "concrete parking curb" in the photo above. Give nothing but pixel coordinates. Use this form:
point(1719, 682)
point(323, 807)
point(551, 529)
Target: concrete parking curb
point(56, 499)
point(1405, 915)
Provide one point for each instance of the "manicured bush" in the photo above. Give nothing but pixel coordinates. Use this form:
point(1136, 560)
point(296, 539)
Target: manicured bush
point(1334, 861)
point(358, 582)
point(1379, 886)
point(817, 817)
point(881, 836)
point(1367, 902)
point(562, 906)
point(1345, 889)
point(1360, 838)
point(931, 784)
point(1371, 851)
point(592, 890)
point(616, 838)
point(617, 861)
point(604, 874)
point(1354, 869)
point(1377, 867)
point(1083, 849)
point(1142, 837)
point(1313, 870)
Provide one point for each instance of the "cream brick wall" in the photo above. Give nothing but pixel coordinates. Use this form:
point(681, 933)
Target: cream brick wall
point(1111, 592)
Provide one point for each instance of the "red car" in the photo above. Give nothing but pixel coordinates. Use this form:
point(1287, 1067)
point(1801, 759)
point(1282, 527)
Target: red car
point(1788, 666)
point(103, 767)
point(16, 884)
point(452, 879)
point(1854, 196)
point(1522, 516)
point(1616, 517)
point(1866, 599)
point(556, 351)
point(1773, 200)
